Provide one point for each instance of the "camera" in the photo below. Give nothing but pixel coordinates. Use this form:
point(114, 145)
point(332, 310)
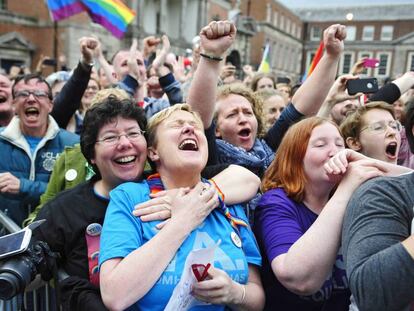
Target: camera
point(18, 271)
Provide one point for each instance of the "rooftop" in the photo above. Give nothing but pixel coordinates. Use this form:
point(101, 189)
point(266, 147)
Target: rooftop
point(360, 13)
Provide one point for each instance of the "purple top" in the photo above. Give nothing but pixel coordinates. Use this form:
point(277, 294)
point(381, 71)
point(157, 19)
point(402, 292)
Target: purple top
point(280, 222)
point(405, 157)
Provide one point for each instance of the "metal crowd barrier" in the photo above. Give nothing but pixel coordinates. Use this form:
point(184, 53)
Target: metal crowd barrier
point(41, 299)
point(39, 296)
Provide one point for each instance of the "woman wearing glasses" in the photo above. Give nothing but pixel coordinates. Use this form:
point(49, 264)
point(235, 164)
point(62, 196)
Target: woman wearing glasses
point(373, 131)
point(299, 218)
point(112, 141)
point(140, 265)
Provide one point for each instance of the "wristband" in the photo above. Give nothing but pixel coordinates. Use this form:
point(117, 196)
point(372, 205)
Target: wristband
point(220, 193)
point(219, 59)
point(87, 66)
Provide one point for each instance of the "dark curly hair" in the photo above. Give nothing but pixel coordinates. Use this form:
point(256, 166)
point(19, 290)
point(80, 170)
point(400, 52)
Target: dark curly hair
point(103, 113)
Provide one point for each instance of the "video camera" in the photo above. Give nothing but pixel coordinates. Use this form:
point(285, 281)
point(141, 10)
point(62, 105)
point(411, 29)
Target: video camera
point(21, 259)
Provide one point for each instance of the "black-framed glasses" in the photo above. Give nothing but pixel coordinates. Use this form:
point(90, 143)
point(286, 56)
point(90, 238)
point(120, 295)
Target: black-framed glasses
point(381, 126)
point(112, 139)
point(36, 93)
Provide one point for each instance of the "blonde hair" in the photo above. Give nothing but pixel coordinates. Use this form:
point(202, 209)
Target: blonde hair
point(268, 93)
point(105, 93)
point(164, 114)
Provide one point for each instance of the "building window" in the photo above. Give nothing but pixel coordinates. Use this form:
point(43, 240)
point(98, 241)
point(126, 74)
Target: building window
point(281, 52)
point(282, 22)
point(367, 71)
point(268, 12)
point(347, 61)
point(277, 51)
point(386, 33)
point(273, 62)
point(287, 29)
point(298, 34)
point(287, 57)
point(384, 64)
point(275, 18)
point(410, 62)
point(293, 61)
point(315, 34)
point(3, 4)
point(293, 29)
point(368, 33)
point(350, 33)
point(299, 61)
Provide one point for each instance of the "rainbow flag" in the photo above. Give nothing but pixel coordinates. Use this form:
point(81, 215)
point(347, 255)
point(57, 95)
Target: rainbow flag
point(265, 63)
point(315, 61)
point(114, 15)
point(61, 9)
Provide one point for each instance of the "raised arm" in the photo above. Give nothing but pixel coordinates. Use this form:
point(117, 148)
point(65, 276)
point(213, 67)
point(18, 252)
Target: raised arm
point(310, 96)
point(216, 38)
point(337, 94)
point(103, 63)
point(166, 78)
point(68, 100)
point(237, 183)
point(405, 82)
point(150, 44)
point(393, 91)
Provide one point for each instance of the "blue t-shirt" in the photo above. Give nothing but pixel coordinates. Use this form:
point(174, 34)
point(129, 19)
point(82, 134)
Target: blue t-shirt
point(123, 233)
point(279, 223)
point(33, 142)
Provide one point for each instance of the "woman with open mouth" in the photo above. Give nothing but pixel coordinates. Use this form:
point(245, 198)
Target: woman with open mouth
point(299, 217)
point(141, 265)
point(373, 131)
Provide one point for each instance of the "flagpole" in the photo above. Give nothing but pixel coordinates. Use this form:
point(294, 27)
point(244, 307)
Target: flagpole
point(55, 44)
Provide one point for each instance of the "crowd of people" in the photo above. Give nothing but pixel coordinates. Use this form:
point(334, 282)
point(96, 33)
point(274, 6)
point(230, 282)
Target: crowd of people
point(303, 190)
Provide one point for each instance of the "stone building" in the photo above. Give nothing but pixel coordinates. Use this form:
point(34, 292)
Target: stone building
point(384, 32)
point(27, 32)
point(282, 30)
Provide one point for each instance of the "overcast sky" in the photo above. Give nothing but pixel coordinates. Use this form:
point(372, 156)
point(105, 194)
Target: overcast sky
point(316, 3)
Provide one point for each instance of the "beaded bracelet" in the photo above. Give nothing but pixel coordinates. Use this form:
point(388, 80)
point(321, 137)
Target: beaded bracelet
point(219, 59)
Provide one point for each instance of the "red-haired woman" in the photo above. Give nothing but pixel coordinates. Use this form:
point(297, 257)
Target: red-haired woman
point(299, 217)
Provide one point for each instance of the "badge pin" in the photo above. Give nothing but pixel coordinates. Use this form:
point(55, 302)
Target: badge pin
point(71, 175)
point(94, 229)
point(236, 239)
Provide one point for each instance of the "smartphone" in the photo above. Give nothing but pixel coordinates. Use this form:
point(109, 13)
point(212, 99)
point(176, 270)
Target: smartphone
point(49, 62)
point(14, 243)
point(371, 63)
point(366, 86)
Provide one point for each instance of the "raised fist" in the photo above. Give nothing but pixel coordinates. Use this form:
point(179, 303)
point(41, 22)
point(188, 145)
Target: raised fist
point(217, 37)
